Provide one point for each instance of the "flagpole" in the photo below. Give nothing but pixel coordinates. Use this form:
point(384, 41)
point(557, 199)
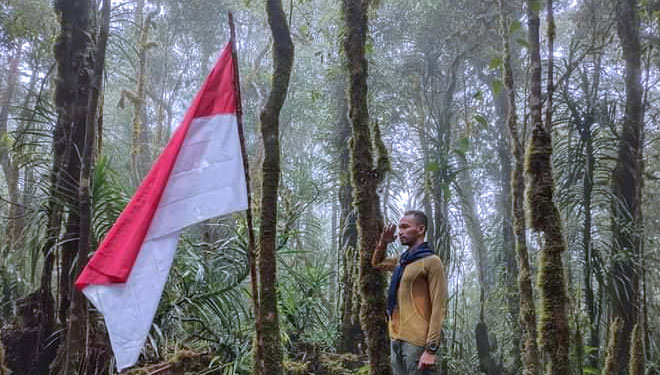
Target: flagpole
point(239, 120)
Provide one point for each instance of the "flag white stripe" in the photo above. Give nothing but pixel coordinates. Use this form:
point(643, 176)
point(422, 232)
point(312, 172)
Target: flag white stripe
point(208, 180)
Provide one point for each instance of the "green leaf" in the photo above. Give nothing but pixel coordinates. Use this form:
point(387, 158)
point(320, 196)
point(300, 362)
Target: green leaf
point(479, 95)
point(515, 26)
point(536, 6)
point(462, 146)
point(481, 120)
point(495, 63)
point(497, 87)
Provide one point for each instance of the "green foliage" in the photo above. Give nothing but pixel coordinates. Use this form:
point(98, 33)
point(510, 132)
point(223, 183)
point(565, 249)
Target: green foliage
point(498, 86)
point(108, 198)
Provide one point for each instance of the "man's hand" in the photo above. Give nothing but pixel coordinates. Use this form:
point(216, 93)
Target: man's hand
point(426, 360)
point(387, 235)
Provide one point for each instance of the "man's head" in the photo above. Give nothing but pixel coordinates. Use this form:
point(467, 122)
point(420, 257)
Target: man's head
point(412, 228)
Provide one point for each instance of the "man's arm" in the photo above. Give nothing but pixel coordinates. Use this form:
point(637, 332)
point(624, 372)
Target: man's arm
point(438, 294)
point(378, 259)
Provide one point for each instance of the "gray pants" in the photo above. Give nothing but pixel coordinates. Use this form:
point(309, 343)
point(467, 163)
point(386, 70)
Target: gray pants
point(404, 358)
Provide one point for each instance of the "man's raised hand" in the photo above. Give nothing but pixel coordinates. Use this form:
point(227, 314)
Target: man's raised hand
point(387, 235)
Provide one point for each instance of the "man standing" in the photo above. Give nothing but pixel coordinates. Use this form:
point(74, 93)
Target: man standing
point(417, 295)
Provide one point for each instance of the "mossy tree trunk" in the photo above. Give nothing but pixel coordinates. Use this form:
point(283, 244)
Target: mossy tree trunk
point(140, 155)
point(610, 367)
point(514, 363)
point(543, 214)
point(270, 348)
point(369, 164)
point(530, 356)
point(627, 181)
point(351, 334)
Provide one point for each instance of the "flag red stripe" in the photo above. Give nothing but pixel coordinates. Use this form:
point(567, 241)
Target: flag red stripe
point(114, 259)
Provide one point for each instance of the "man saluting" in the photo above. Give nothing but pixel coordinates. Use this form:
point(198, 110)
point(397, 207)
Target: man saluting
point(417, 295)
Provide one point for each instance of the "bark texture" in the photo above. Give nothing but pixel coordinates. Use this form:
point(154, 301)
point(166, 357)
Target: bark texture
point(530, 356)
point(610, 367)
point(351, 334)
point(75, 351)
point(543, 214)
point(627, 180)
point(369, 164)
point(271, 348)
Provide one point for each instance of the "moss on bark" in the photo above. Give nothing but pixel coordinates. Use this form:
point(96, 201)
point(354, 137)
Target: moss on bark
point(611, 367)
point(366, 174)
point(270, 347)
point(530, 356)
point(636, 365)
point(543, 215)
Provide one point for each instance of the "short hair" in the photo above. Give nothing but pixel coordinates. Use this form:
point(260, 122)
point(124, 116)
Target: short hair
point(419, 217)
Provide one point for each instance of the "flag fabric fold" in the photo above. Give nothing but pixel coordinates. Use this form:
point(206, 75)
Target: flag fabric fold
point(198, 176)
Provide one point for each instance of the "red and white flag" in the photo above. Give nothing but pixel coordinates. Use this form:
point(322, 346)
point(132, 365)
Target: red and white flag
point(199, 175)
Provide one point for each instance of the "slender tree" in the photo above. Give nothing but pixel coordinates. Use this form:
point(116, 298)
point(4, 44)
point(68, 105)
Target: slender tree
point(271, 349)
point(530, 356)
point(366, 147)
point(627, 181)
point(543, 214)
point(7, 164)
point(351, 333)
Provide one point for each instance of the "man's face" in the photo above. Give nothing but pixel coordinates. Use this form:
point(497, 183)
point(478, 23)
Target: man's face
point(410, 231)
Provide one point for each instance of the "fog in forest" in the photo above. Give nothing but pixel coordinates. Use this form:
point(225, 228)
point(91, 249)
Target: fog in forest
point(527, 131)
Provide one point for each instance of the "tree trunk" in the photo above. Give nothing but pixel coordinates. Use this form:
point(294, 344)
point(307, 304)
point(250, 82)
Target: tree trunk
point(9, 167)
point(544, 216)
point(627, 180)
point(366, 146)
point(513, 364)
point(487, 364)
point(75, 64)
point(271, 349)
point(76, 334)
point(3, 369)
point(530, 357)
point(351, 334)
point(140, 155)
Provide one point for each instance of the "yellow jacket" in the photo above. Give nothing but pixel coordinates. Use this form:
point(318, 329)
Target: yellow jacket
point(421, 298)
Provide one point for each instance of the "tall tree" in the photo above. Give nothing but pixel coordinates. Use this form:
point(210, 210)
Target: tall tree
point(369, 163)
point(269, 342)
point(351, 333)
point(530, 356)
point(75, 359)
point(543, 213)
point(9, 167)
point(627, 181)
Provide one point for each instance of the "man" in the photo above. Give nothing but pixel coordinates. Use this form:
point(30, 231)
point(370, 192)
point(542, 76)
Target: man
point(416, 297)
